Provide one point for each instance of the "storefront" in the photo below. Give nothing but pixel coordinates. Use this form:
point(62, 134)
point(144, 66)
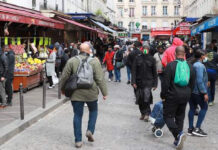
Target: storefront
point(162, 34)
point(28, 32)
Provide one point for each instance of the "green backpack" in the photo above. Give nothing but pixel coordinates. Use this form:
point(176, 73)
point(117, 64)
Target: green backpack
point(182, 74)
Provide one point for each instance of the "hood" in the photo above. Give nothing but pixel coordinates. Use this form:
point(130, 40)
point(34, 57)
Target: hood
point(177, 42)
point(56, 45)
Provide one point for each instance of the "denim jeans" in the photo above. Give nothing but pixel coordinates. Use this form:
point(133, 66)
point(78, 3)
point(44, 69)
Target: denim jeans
point(2, 92)
point(78, 114)
point(117, 74)
point(128, 73)
point(110, 76)
point(193, 103)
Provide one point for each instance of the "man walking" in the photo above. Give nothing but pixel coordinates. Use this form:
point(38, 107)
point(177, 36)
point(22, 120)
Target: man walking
point(10, 74)
point(144, 78)
point(88, 96)
point(158, 58)
point(176, 95)
point(3, 73)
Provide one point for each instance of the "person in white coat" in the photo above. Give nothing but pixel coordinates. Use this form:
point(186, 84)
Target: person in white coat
point(50, 65)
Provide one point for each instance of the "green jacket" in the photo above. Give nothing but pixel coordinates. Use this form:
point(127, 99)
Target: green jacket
point(85, 95)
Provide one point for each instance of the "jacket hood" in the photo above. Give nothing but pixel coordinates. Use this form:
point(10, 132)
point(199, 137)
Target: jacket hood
point(177, 42)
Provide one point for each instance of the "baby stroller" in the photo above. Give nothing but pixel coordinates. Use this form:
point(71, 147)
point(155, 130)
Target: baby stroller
point(157, 120)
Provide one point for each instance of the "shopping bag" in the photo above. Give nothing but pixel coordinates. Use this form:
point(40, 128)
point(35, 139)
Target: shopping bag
point(55, 79)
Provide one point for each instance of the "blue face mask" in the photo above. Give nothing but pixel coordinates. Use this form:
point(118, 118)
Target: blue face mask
point(71, 47)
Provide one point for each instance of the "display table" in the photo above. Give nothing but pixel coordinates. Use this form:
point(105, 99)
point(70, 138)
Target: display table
point(29, 80)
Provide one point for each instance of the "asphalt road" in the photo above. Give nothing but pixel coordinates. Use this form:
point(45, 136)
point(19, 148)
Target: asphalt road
point(118, 127)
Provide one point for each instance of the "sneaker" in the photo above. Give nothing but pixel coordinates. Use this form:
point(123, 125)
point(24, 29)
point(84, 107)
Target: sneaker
point(90, 136)
point(78, 144)
point(199, 132)
point(211, 103)
point(146, 118)
point(179, 143)
point(109, 80)
point(50, 87)
point(190, 131)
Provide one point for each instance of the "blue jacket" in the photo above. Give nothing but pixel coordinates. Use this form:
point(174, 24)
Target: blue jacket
point(201, 78)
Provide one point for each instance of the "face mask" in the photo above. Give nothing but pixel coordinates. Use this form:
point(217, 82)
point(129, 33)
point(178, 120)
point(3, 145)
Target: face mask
point(131, 49)
point(145, 51)
point(71, 47)
point(205, 60)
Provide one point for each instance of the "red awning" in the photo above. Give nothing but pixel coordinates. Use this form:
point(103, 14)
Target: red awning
point(101, 34)
point(161, 31)
point(17, 14)
point(77, 24)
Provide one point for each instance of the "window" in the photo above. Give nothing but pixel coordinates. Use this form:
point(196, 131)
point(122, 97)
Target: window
point(45, 4)
point(120, 24)
point(131, 25)
point(131, 12)
point(144, 27)
point(120, 0)
point(33, 4)
point(176, 10)
point(153, 10)
point(131, 0)
point(120, 11)
point(165, 10)
point(144, 11)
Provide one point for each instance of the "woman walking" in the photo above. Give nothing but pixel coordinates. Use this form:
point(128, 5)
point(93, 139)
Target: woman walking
point(50, 65)
point(108, 59)
point(199, 96)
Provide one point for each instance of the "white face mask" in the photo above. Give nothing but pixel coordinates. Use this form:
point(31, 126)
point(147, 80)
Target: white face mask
point(205, 60)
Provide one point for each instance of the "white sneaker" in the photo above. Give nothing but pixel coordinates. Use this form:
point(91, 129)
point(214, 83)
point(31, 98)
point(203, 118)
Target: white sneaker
point(50, 87)
point(109, 80)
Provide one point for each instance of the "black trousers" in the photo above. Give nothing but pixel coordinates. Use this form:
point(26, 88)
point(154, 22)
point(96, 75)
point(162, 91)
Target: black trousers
point(50, 80)
point(9, 89)
point(145, 108)
point(174, 115)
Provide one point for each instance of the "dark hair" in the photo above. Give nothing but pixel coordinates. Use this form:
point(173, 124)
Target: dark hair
point(199, 53)
point(137, 44)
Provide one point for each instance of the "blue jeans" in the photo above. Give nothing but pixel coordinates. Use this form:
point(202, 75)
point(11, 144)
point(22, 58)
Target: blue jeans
point(193, 103)
point(128, 73)
point(110, 76)
point(77, 120)
point(117, 74)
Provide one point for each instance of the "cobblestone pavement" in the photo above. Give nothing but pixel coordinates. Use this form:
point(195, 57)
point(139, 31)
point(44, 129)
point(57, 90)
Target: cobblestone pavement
point(118, 128)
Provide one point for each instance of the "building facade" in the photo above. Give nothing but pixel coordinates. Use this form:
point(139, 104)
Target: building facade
point(199, 8)
point(139, 16)
point(107, 7)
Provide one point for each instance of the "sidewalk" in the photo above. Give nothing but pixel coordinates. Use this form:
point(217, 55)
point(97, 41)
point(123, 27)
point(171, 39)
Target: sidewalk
point(32, 101)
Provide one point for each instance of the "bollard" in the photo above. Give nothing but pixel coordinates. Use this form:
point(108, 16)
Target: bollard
point(44, 91)
point(59, 88)
point(21, 102)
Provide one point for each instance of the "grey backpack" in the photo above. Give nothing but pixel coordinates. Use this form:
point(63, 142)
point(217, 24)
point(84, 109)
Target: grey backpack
point(84, 73)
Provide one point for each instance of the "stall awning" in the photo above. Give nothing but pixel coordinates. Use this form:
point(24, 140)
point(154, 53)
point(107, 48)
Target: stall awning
point(77, 24)
point(209, 24)
point(161, 31)
point(104, 27)
point(17, 14)
point(189, 19)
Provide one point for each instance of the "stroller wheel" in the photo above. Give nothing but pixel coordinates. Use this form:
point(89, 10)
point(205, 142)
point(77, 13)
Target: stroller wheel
point(158, 133)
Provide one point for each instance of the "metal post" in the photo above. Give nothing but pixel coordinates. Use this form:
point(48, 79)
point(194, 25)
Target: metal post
point(21, 102)
point(44, 90)
point(59, 88)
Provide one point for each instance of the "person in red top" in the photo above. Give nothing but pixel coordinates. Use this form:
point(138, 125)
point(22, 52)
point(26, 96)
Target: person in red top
point(108, 59)
point(169, 54)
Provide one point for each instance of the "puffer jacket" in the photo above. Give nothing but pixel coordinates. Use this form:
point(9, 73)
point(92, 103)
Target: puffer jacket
point(169, 54)
point(3, 65)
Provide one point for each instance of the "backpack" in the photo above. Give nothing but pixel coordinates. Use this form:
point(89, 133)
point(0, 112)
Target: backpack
point(182, 74)
point(85, 73)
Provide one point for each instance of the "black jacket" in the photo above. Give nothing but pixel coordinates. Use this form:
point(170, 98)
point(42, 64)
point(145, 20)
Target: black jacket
point(3, 65)
point(118, 56)
point(212, 61)
point(11, 63)
point(131, 57)
point(170, 90)
point(144, 73)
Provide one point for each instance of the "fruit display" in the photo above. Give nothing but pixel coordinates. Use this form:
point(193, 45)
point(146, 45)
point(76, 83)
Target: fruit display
point(18, 49)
